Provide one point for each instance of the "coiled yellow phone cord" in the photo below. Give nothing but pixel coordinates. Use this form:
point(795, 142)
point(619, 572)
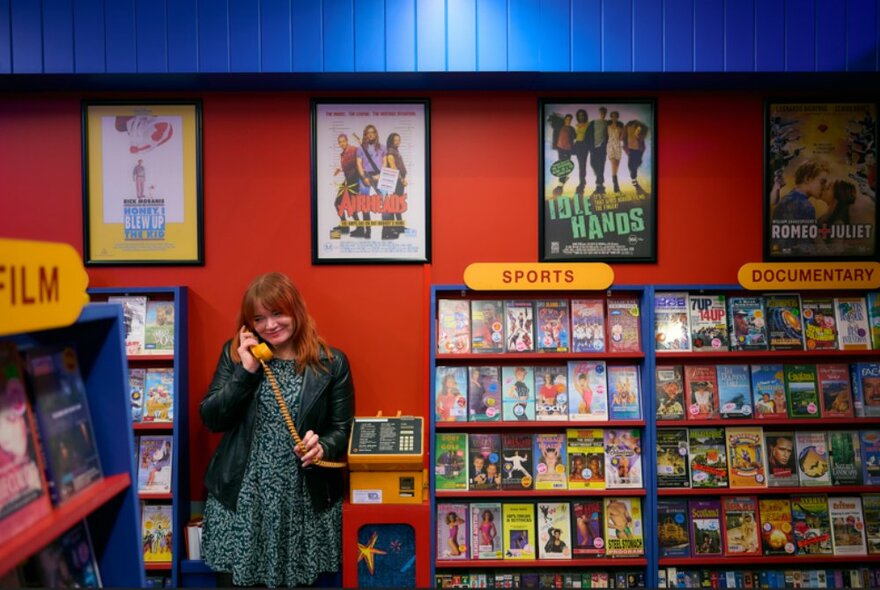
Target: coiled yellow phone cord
point(263, 354)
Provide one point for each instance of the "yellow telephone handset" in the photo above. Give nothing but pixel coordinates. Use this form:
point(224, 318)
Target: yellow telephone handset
point(264, 354)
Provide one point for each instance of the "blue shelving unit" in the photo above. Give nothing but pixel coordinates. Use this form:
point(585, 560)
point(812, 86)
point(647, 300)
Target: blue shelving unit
point(110, 507)
point(758, 356)
point(180, 485)
point(645, 361)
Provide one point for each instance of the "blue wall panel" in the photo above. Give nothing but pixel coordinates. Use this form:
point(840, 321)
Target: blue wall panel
point(152, 45)
point(5, 39)
point(523, 35)
point(739, 36)
point(461, 35)
point(88, 36)
point(554, 38)
point(27, 37)
point(244, 36)
point(213, 36)
point(678, 36)
point(119, 37)
point(586, 37)
point(709, 36)
point(400, 34)
point(861, 35)
point(58, 36)
point(800, 37)
point(491, 35)
point(183, 38)
point(617, 30)
point(275, 52)
point(314, 36)
point(648, 36)
point(830, 35)
point(430, 36)
point(769, 37)
point(306, 32)
point(338, 36)
point(369, 28)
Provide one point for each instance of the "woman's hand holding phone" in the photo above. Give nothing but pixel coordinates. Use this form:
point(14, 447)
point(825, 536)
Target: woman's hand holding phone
point(313, 451)
point(247, 339)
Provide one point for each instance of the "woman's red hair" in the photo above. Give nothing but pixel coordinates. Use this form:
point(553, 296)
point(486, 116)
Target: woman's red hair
point(276, 292)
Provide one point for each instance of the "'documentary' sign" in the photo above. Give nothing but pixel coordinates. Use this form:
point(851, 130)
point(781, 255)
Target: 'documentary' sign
point(525, 276)
point(810, 275)
point(42, 285)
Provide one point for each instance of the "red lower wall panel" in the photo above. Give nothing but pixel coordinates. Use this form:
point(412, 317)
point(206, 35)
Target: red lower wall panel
point(484, 163)
point(356, 516)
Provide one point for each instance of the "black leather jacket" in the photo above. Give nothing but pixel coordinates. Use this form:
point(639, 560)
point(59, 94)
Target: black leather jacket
point(230, 406)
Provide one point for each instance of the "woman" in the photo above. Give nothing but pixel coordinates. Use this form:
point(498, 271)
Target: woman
point(487, 530)
point(615, 146)
point(555, 544)
point(548, 391)
point(549, 469)
point(449, 400)
point(453, 521)
point(838, 198)
point(270, 518)
point(582, 386)
point(519, 392)
point(394, 160)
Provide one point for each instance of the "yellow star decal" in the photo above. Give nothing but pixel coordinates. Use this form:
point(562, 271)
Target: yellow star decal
point(368, 552)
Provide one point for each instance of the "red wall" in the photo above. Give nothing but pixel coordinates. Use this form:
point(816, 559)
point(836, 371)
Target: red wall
point(485, 200)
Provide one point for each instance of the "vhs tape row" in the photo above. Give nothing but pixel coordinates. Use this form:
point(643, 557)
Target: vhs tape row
point(500, 578)
point(750, 457)
point(590, 325)
point(578, 459)
point(767, 391)
point(748, 526)
point(585, 391)
point(685, 322)
point(768, 577)
point(590, 528)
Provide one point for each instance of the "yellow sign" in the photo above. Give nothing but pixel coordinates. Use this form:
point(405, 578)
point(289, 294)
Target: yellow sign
point(526, 276)
point(809, 275)
point(42, 285)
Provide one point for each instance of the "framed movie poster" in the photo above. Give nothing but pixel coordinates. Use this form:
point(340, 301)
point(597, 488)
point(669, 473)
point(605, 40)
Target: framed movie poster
point(142, 183)
point(370, 182)
point(820, 181)
point(598, 181)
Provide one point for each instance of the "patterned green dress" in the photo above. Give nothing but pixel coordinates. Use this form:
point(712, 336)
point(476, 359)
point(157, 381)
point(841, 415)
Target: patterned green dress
point(275, 537)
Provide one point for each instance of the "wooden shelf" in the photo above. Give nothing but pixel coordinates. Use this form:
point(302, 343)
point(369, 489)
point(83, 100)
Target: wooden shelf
point(760, 561)
point(782, 422)
point(63, 517)
point(152, 426)
point(540, 356)
point(475, 494)
point(146, 358)
point(155, 495)
point(538, 425)
point(542, 563)
point(811, 490)
point(763, 355)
